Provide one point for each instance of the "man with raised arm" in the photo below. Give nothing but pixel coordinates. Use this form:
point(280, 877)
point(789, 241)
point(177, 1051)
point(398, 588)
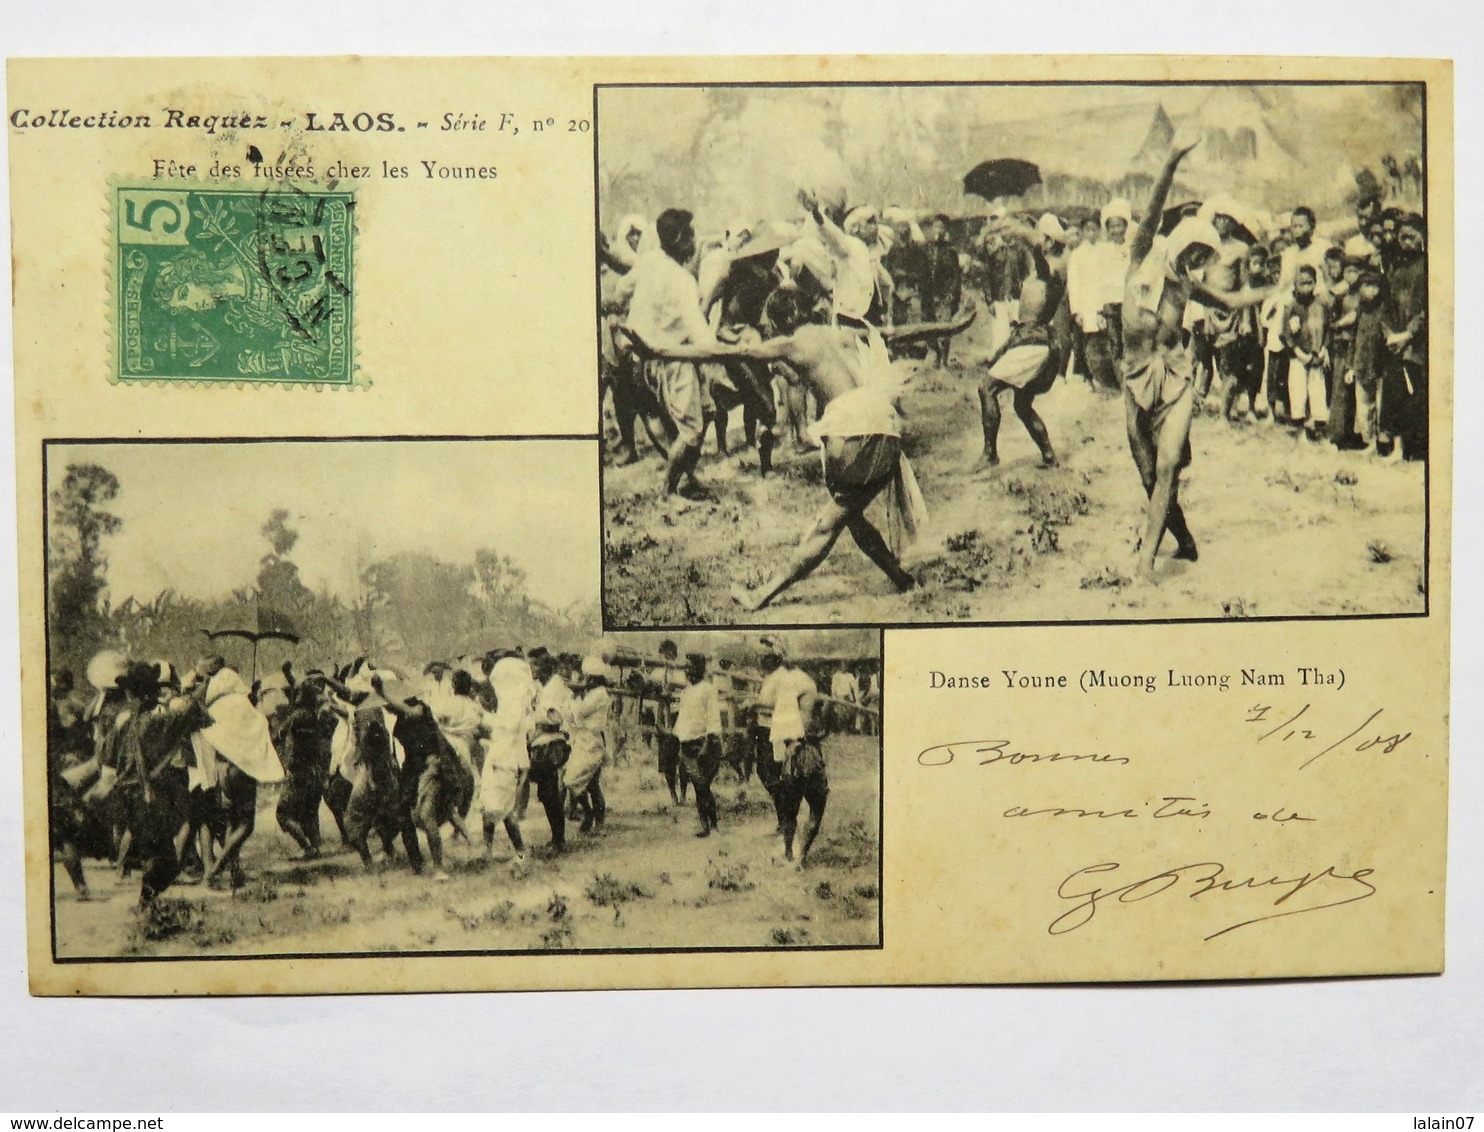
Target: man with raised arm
point(847, 367)
point(1158, 374)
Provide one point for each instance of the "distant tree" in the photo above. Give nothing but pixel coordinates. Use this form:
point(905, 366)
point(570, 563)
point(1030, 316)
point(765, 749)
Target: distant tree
point(499, 583)
point(77, 568)
point(279, 586)
point(423, 602)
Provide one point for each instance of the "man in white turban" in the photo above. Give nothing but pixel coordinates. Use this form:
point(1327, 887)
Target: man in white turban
point(1095, 277)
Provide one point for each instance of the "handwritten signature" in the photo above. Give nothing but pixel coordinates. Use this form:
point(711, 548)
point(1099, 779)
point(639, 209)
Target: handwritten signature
point(1202, 878)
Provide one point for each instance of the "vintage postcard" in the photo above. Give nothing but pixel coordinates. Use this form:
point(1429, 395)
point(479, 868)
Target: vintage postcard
point(494, 524)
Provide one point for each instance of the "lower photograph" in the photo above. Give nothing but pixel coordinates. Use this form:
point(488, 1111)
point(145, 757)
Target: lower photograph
point(353, 697)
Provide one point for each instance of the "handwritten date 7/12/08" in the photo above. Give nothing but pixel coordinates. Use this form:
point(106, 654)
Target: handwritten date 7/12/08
point(1315, 738)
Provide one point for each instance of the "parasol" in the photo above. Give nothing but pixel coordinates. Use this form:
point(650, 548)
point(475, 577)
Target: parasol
point(1002, 177)
point(271, 625)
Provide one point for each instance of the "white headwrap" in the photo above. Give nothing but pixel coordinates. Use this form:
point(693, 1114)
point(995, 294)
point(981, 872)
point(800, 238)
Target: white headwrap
point(596, 666)
point(515, 689)
point(1051, 227)
point(1358, 247)
point(1188, 233)
point(1116, 209)
point(1223, 206)
point(1158, 268)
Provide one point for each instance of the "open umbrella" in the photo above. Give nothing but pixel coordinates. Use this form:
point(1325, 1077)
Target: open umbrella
point(1002, 177)
point(271, 625)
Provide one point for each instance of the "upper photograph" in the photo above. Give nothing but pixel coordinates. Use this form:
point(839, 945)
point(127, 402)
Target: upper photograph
point(1040, 353)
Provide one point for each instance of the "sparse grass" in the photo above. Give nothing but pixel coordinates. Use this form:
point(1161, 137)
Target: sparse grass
point(789, 937)
point(607, 891)
point(851, 846)
point(1105, 579)
point(1052, 506)
point(557, 937)
point(743, 804)
point(728, 878)
point(1379, 552)
point(262, 889)
point(167, 917)
point(1238, 608)
point(962, 542)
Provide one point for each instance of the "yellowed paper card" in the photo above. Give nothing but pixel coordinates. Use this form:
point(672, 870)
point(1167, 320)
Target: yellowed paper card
point(581, 523)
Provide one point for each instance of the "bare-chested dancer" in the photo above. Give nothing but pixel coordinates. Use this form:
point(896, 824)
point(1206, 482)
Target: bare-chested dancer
point(1158, 375)
point(846, 366)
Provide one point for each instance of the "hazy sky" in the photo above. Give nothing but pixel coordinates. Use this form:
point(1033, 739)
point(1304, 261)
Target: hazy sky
point(741, 154)
point(192, 512)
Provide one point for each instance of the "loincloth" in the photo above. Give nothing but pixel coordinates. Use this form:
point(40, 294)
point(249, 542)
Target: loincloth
point(1158, 384)
point(857, 465)
point(806, 762)
point(860, 434)
point(1027, 366)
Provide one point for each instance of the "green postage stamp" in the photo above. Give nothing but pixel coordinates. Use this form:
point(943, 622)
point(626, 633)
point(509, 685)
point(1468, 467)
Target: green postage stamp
point(234, 285)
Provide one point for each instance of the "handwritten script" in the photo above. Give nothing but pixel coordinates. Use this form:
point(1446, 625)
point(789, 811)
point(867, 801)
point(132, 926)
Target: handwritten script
point(988, 752)
point(1330, 886)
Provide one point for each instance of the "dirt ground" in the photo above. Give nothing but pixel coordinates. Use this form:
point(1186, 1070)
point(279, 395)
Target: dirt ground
point(646, 882)
point(1285, 527)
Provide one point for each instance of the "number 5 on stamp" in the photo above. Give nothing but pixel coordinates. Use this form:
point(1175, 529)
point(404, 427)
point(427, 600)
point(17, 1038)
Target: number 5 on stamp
point(149, 216)
point(234, 286)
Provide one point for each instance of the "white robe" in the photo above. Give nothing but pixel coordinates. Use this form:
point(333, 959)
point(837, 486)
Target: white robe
point(506, 754)
point(239, 732)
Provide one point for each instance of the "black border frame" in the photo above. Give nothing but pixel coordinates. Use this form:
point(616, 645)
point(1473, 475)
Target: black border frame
point(912, 626)
point(48, 443)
